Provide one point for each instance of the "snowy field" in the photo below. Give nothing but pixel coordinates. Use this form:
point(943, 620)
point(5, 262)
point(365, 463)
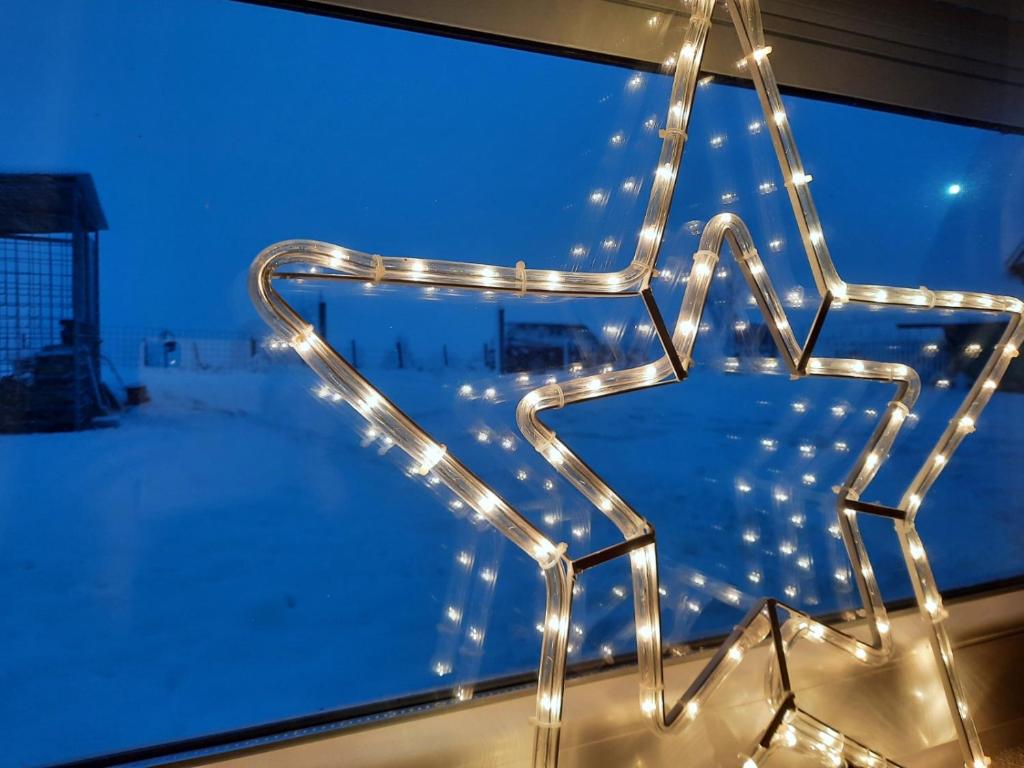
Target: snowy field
point(236, 551)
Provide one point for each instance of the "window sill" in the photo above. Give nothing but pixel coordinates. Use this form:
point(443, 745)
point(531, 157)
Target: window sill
point(898, 709)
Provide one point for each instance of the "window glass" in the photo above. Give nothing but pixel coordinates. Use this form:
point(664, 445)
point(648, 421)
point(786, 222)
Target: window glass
point(194, 540)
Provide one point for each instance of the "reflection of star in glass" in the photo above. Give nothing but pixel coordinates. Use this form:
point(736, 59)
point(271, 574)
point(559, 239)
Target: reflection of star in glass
point(432, 459)
point(791, 726)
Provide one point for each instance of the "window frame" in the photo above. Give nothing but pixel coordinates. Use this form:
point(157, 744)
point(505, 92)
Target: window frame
point(960, 61)
point(198, 748)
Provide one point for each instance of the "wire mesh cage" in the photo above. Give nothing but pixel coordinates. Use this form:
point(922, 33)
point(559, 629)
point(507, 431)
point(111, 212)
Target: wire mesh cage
point(49, 302)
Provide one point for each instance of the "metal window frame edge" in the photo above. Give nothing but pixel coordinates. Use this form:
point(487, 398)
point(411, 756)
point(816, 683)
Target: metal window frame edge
point(953, 61)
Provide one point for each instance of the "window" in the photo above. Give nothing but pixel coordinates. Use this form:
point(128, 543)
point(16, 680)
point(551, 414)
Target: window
point(222, 548)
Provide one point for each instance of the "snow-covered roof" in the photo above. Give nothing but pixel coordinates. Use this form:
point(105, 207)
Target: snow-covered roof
point(40, 203)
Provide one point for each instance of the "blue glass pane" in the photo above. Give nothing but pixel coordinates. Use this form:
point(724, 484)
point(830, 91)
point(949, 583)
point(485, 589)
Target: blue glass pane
point(223, 547)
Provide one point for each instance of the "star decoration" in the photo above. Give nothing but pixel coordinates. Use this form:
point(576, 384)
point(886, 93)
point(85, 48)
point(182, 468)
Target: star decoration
point(792, 727)
point(746, 18)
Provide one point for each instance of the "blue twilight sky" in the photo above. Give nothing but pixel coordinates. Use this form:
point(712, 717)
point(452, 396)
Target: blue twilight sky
point(214, 128)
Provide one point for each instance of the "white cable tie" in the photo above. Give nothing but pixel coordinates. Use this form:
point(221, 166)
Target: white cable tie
point(556, 554)
point(561, 398)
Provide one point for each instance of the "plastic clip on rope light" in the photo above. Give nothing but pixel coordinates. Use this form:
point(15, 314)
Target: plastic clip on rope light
point(791, 728)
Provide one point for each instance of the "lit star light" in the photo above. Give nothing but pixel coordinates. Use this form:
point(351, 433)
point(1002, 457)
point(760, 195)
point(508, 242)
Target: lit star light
point(793, 727)
point(747, 21)
point(768, 619)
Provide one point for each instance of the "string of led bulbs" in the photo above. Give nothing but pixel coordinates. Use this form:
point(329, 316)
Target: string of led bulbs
point(792, 727)
point(763, 621)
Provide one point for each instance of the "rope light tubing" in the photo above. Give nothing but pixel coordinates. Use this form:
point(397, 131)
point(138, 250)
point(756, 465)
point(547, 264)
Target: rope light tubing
point(792, 727)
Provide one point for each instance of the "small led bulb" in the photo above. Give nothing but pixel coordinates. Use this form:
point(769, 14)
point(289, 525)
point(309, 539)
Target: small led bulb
point(554, 456)
point(431, 457)
point(916, 550)
point(304, 341)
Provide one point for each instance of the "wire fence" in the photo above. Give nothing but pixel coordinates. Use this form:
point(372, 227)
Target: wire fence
point(132, 349)
point(35, 294)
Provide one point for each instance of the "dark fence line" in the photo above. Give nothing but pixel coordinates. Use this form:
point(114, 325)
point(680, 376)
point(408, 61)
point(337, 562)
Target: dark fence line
point(131, 349)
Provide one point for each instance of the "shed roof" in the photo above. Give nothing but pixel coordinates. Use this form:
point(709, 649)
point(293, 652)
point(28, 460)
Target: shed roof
point(40, 203)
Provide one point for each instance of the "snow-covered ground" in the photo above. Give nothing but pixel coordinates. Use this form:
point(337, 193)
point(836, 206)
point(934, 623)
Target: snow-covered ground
point(236, 552)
